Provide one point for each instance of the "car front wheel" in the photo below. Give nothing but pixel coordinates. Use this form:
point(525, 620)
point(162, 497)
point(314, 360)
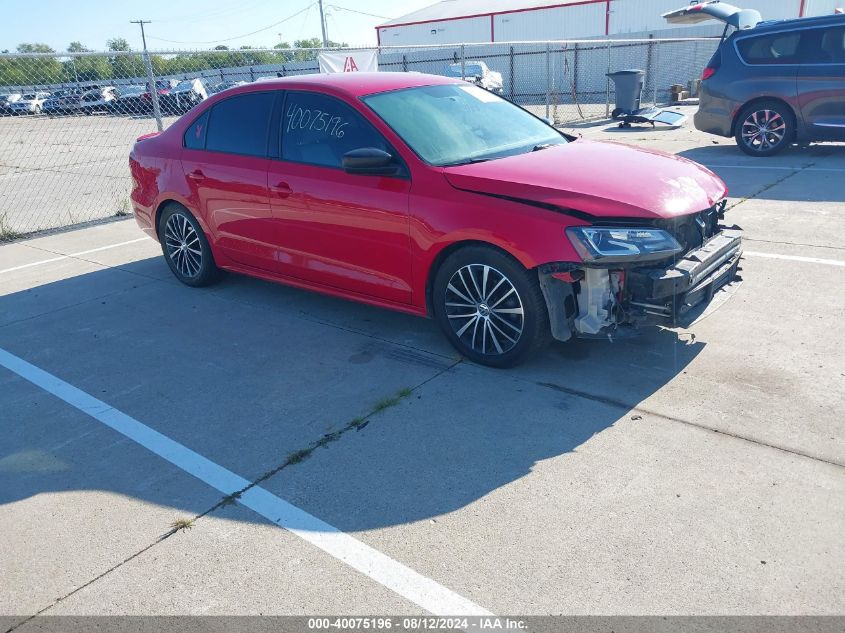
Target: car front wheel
point(186, 248)
point(490, 308)
point(764, 128)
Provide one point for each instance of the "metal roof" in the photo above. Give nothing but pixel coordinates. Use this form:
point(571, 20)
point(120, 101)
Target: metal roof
point(451, 9)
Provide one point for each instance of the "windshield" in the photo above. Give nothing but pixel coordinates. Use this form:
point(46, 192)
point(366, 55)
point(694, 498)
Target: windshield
point(185, 85)
point(459, 124)
point(131, 90)
point(28, 97)
point(470, 70)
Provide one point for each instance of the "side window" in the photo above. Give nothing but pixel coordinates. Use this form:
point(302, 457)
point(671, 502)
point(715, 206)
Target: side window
point(195, 135)
point(319, 130)
point(778, 48)
point(239, 124)
point(831, 47)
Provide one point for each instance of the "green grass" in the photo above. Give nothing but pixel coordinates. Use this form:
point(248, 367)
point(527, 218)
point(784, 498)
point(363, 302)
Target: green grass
point(182, 524)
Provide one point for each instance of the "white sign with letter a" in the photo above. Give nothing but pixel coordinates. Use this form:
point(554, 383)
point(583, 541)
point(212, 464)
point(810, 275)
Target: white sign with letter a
point(365, 61)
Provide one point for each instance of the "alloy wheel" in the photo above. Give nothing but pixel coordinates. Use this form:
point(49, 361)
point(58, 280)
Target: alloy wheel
point(183, 245)
point(484, 309)
point(763, 130)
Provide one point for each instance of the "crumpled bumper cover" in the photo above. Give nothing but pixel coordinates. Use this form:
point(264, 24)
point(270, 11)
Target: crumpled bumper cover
point(671, 294)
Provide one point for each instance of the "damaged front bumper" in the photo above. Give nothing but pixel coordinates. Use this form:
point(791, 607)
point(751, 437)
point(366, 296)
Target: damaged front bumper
point(600, 302)
point(672, 295)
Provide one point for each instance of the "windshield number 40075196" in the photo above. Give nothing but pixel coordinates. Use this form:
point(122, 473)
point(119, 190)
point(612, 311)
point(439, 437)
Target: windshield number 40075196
point(317, 120)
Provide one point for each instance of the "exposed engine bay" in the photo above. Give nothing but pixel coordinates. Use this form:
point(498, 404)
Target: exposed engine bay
point(593, 299)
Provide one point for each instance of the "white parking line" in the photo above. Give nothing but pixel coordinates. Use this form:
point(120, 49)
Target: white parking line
point(796, 258)
point(79, 254)
point(403, 580)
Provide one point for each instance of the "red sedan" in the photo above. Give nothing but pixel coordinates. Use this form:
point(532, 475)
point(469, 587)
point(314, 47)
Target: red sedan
point(434, 197)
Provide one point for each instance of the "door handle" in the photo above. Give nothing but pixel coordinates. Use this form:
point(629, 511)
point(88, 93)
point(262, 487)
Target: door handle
point(196, 174)
point(281, 189)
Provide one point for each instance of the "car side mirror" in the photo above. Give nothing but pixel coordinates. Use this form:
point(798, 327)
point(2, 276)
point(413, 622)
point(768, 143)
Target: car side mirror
point(369, 161)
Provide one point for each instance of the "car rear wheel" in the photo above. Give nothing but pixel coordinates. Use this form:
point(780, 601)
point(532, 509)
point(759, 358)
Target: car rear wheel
point(490, 308)
point(764, 128)
point(186, 248)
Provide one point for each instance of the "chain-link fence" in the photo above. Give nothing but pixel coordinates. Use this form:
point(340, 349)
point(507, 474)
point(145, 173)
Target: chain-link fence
point(67, 122)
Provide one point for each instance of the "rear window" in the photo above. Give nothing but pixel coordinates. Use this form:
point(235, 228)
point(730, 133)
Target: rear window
point(777, 48)
point(239, 125)
point(831, 47)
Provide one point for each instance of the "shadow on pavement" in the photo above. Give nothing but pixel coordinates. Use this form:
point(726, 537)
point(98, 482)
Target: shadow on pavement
point(250, 372)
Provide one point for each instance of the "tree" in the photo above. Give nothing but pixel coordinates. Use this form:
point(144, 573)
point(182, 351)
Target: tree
point(118, 44)
point(34, 48)
point(31, 71)
point(86, 67)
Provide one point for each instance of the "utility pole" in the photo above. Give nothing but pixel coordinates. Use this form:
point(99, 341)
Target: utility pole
point(322, 24)
point(150, 77)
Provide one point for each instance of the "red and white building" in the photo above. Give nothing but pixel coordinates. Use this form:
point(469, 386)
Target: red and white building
point(468, 21)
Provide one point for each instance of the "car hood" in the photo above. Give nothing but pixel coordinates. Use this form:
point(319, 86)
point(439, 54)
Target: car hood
point(599, 178)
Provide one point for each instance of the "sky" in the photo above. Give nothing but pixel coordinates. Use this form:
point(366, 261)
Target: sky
point(193, 24)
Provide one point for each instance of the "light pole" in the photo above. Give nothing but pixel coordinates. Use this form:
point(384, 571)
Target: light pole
point(150, 76)
point(323, 24)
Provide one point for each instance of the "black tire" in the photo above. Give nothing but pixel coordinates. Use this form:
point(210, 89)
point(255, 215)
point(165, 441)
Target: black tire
point(464, 309)
point(764, 128)
point(186, 248)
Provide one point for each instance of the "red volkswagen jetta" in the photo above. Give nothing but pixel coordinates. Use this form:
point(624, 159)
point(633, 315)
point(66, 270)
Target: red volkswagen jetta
point(435, 197)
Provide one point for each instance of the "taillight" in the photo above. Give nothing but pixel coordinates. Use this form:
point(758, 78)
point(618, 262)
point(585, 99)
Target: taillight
point(708, 72)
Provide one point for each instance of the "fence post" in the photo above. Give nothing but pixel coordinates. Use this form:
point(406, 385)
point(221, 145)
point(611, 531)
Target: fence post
point(548, 78)
point(654, 75)
point(404, 63)
point(251, 73)
point(153, 90)
point(649, 66)
point(463, 63)
point(575, 74)
point(513, 80)
point(607, 87)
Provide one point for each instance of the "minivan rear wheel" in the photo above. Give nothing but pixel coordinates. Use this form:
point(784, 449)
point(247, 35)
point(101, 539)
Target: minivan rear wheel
point(764, 128)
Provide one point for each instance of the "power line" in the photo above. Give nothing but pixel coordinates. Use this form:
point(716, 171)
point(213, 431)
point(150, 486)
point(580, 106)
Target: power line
point(372, 15)
point(237, 37)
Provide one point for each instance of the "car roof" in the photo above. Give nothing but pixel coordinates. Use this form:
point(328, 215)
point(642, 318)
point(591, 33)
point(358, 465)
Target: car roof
point(797, 23)
point(358, 84)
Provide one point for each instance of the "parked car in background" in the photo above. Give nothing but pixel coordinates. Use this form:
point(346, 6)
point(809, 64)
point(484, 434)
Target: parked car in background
point(478, 73)
point(62, 102)
point(30, 103)
point(6, 102)
point(771, 84)
point(213, 89)
point(97, 100)
point(437, 198)
point(163, 87)
point(129, 100)
point(184, 96)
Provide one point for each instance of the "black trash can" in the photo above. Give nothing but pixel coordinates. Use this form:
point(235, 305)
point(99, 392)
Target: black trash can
point(629, 90)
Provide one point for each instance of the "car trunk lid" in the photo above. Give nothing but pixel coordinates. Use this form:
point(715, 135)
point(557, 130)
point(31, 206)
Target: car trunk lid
point(715, 10)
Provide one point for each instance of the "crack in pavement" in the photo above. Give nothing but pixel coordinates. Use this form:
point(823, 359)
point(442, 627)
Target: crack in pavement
point(774, 183)
point(619, 404)
point(293, 458)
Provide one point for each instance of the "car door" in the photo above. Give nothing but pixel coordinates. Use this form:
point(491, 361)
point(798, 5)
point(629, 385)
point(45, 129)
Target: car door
point(348, 231)
point(821, 83)
point(225, 164)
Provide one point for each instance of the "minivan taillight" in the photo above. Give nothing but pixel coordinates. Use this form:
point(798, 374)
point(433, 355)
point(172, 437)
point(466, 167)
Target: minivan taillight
point(708, 72)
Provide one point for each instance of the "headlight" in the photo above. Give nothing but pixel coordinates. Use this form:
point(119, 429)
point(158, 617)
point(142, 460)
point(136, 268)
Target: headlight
point(619, 245)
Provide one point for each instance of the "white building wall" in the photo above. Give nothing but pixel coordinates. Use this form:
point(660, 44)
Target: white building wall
point(634, 18)
point(823, 7)
point(461, 30)
point(559, 23)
